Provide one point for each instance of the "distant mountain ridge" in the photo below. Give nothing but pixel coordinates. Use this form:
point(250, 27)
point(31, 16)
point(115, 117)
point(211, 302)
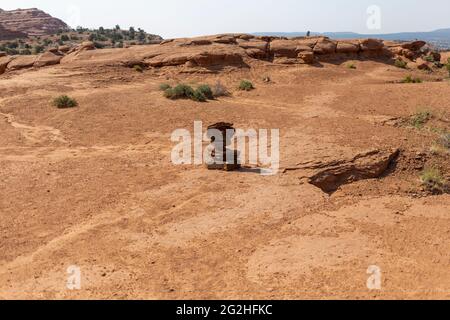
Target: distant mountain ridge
point(439, 38)
point(23, 23)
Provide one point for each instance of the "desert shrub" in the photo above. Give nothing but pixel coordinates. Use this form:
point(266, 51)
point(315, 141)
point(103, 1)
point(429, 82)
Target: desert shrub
point(442, 145)
point(399, 63)
point(199, 96)
point(138, 68)
point(181, 91)
point(64, 37)
point(246, 85)
point(444, 140)
point(448, 66)
point(25, 52)
point(351, 66)
point(206, 91)
point(419, 119)
point(164, 86)
point(63, 102)
point(410, 79)
point(38, 49)
point(429, 58)
point(98, 45)
point(169, 93)
point(219, 90)
point(433, 180)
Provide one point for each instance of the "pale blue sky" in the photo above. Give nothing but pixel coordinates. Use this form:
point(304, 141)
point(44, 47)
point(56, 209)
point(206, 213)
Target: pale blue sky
point(178, 18)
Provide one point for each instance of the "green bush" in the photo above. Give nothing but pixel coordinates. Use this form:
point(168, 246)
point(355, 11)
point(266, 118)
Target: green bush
point(63, 102)
point(246, 85)
point(198, 96)
point(410, 79)
point(164, 86)
point(399, 63)
point(206, 91)
point(64, 37)
point(351, 66)
point(429, 58)
point(38, 49)
point(181, 91)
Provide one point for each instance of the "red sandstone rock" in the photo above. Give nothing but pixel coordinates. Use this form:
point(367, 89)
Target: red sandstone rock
point(4, 61)
point(371, 44)
point(306, 57)
point(325, 46)
point(348, 47)
point(47, 59)
point(21, 62)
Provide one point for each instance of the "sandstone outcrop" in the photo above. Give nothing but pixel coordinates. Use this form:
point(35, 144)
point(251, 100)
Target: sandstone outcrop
point(4, 61)
point(348, 47)
point(21, 62)
point(47, 59)
point(369, 165)
point(231, 50)
point(21, 23)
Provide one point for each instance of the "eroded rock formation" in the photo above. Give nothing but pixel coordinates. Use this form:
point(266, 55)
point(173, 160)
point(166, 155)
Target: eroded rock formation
point(234, 50)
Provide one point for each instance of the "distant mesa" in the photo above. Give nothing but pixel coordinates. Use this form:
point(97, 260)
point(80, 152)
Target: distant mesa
point(22, 23)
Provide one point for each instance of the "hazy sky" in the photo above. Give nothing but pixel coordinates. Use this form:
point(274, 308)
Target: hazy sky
point(178, 18)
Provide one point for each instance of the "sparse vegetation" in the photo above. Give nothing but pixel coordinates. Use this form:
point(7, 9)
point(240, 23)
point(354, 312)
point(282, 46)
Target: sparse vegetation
point(246, 85)
point(164, 86)
point(64, 102)
point(442, 145)
point(448, 66)
point(198, 96)
point(429, 58)
point(219, 90)
point(401, 64)
point(419, 119)
point(183, 91)
point(445, 140)
point(206, 91)
point(102, 38)
point(351, 66)
point(410, 79)
point(433, 180)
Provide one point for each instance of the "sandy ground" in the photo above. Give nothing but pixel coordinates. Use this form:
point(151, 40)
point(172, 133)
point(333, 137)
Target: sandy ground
point(94, 187)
